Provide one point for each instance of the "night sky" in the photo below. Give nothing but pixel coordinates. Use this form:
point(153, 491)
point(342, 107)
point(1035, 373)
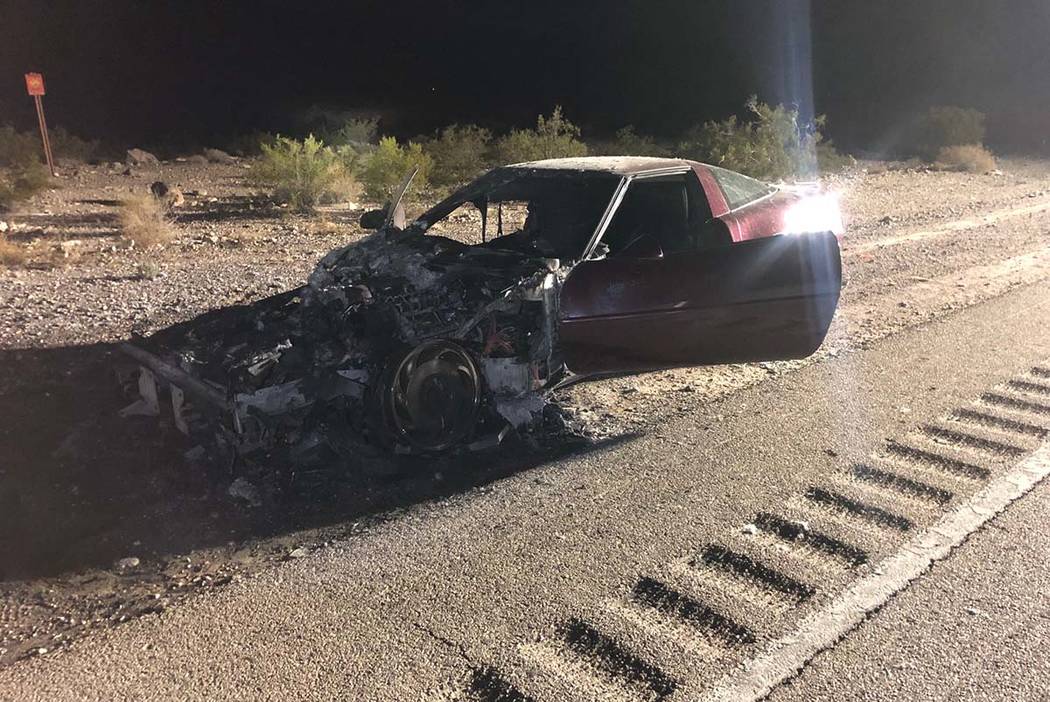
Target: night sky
point(176, 72)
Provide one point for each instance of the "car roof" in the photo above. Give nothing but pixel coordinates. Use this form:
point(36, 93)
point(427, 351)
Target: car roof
point(618, 165)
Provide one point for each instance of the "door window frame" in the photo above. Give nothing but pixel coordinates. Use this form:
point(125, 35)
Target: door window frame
point(617, 200)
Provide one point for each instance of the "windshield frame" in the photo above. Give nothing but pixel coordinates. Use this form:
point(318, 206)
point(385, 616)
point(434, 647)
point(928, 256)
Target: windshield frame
point(476, 191)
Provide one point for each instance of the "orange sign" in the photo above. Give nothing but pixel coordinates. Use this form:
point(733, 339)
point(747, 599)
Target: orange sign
point(34, 84)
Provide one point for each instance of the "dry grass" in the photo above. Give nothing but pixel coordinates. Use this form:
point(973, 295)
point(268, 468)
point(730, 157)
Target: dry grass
point(323, 227)
point(972, 158)
point(11, 254)
point(144, 220)
point(344, 188)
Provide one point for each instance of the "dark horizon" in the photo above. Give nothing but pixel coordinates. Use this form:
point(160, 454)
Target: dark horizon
point(170, 73)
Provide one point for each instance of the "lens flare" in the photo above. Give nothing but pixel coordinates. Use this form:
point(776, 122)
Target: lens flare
point(815, 213)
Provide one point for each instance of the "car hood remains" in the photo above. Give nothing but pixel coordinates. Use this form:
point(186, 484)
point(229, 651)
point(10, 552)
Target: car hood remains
point(296, 368)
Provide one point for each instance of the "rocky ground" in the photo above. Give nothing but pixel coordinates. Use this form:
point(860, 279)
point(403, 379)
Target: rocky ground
point(101, 519)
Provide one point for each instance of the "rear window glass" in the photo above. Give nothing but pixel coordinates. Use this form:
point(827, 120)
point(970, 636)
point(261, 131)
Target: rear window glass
point(739, 189)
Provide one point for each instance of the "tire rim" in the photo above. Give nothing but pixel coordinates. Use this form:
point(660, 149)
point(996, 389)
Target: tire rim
point(432, 397)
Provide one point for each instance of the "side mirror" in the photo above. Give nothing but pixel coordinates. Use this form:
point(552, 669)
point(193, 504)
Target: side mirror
point(373, 219)
point(645, 246)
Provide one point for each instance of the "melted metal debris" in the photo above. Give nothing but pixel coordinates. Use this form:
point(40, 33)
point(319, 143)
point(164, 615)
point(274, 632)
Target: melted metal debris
point(293, 377)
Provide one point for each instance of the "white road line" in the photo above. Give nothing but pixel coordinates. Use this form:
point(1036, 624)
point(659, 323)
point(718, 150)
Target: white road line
point(947, 228)
point(783, 658)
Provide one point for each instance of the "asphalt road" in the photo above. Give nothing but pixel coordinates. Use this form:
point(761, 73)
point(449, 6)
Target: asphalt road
point(649, 568)
point(975, 628)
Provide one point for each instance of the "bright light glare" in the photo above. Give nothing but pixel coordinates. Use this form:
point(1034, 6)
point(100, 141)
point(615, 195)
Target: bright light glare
point(813, 214)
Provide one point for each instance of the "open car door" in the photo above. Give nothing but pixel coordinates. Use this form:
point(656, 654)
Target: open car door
point(761, 300)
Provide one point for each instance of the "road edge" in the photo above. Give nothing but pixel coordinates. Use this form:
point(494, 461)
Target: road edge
point(785, 657)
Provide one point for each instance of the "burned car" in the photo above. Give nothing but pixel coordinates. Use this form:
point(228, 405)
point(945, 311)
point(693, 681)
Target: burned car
point(453, 329)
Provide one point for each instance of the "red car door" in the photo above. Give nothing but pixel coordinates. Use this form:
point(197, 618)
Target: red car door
point(647, 307)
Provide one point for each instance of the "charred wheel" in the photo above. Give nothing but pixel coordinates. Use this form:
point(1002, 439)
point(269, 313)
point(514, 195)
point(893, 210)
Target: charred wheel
point(430, 396)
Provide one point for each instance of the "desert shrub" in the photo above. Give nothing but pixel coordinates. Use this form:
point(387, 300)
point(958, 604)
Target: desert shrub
point(973, 158)
point(553, 137)
point(354, 132)
point(20, 181)
point(344, 188)
point(944, 126)
point(384, 168)
point(831, 160)
point(770, 144)
point(11, 254)
point(22, 175)
point(459, 152)
point(337, 127)
point(65, 144)
point(299, 172)
point(628, 143)
point(251, 143)
point(18, 148)
point(354, 157)
point(144, 220)
point(321, 119)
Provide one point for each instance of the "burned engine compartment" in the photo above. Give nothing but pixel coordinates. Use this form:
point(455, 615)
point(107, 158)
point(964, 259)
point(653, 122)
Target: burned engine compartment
point(295, 376)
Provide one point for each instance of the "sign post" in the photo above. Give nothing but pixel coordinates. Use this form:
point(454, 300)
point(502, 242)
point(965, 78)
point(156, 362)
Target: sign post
point(35, 87)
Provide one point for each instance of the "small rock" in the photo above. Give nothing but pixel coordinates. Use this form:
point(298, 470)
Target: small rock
point(4, 226)
point(68, 247)
point(972, 610)
point(749, 529)
point(802, 526)
point(243, 490)
point(169, 195)
point(139, 157)
point(128, 563)
point(218, 156)
point(298, 553)
point(197, 160)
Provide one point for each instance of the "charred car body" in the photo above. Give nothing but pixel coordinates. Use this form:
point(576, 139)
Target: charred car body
point(451, 331)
